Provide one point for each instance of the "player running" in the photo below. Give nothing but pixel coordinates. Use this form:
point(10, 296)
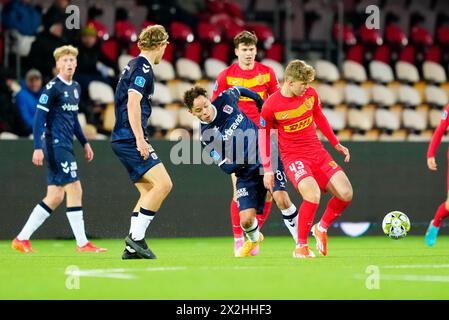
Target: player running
point(443, 209)
point(57, 116)
point(294, 110)
point(248, 73)
point(130, 139)
point(231, 138)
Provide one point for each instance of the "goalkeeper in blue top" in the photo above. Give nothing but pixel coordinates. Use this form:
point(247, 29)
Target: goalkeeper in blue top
point(230, 138)
point(56, 121)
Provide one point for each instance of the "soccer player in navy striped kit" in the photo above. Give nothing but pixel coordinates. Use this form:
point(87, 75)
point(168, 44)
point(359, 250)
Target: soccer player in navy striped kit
point(130, 139)
point(56, 121)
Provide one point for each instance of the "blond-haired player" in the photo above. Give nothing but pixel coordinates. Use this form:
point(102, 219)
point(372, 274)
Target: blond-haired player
point(56, 122)
point(130, 139)
point(294, 110)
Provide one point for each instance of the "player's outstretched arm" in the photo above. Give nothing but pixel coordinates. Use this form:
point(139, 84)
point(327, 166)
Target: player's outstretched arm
point(135, 119)
point(252, 95)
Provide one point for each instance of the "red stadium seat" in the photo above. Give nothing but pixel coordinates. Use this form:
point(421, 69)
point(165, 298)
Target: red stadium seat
point(356, 53)
point(209, 32)
point(370, 36)
point(181, 31)
point(348, 34)
point(231, 30)
point(125, 30)
point(221, 52)
point(263, 33)
point(442, 35)
point(233, 9)
point(193, 52)
point(102, 30)
point(394, 35)
point(408, 54)
point(215, 6)
point(147, 23)
point(382, 54)
point(169, 52)
point(421, 36)
point(434, 54)
point(110, 49)
point(276, 52)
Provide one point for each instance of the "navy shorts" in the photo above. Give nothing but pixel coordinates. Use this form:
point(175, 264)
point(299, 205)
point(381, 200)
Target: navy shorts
point(61, 165)
point(251, 191)
point(126, 151)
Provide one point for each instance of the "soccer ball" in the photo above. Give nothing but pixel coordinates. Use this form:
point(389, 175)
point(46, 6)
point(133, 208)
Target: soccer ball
point(396, 224)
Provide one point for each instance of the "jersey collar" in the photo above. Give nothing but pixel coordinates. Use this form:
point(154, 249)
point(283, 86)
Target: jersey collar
point(215, 116)
point(66, 82)
point(152, 65)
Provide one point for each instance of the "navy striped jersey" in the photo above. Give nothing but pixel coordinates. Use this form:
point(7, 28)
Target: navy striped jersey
point(138, 77)
point(57, 114)
point(231, 137)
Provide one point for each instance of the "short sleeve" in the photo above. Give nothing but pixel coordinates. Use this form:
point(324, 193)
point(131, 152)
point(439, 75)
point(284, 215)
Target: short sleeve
point(140, 78)
point(220, 85)
point(47, 97)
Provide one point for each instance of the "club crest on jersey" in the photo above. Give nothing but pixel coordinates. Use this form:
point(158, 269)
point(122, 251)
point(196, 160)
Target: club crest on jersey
point(140, 81)
point(66, 94)
point(43, 99)
point(260, 79)
point(444, 115)
point(228, 109)
point(76, 94)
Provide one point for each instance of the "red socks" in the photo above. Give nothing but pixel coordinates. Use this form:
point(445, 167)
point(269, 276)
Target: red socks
point(335, 208)
point(440, 215)
point(235, 219)
point(261, 218)
point(307, 212)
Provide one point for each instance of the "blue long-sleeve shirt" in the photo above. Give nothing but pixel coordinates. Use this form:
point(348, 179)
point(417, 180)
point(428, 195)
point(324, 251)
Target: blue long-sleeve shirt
point(26, 102)
point(20, 16)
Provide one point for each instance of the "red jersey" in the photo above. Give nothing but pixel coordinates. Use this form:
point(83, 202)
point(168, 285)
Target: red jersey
point(260, 79)
point(438, 134)
point(294, 118)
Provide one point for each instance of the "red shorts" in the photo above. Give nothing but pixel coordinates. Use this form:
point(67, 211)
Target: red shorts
point(321, 167)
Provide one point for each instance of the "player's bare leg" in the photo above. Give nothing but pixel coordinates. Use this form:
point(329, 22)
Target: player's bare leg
point(435, 223)
point(250, 226)
point(289, 212)
point(341, 190)
point(150, 202)
point(310, 192)
point(74, 197)
point(40, 213)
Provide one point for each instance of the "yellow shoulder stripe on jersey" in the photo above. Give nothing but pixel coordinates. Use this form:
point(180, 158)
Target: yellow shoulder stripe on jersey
point(297, 126)
point(297, 112)
point(258, 80)
point(260, 93)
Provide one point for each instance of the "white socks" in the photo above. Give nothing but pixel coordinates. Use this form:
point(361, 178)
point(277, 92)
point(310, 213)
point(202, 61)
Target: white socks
point(75, 216)
point(140, 224)
point(252, 233)
point(37, 217)
point(321, 229)
point(290, 217)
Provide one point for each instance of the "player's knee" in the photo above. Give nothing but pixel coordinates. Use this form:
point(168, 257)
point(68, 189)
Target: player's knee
point(165, 186)
point(313, 196)
point(346, 194)
point(246, 221)
point(54, 198)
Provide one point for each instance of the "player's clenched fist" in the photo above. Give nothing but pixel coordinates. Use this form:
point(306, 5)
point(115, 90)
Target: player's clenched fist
point(268, 181)
point(88, 152)
point(38, 157)
point(431, 163)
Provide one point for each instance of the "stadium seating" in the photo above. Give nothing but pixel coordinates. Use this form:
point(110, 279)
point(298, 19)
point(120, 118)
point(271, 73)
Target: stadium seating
point(380, 71)
point(213, 67)
point(164, 71)
point(354, 71)
point(326, 71)
point(434, 72)
point(188, 69)
point(406, 72)
point(100, 92)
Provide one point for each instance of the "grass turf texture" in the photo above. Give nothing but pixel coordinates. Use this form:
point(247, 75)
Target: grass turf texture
point(204, 268)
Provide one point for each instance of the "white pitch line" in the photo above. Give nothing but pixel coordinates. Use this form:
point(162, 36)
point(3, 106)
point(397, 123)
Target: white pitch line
point(417, 266)
point(118, 273)
point(406, 277)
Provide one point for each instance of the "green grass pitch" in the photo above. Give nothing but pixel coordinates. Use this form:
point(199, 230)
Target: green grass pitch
point(204, 268)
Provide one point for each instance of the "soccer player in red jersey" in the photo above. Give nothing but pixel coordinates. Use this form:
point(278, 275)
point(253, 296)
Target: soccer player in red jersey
point(294, 110)
point(443, 209)
point(249, 73)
